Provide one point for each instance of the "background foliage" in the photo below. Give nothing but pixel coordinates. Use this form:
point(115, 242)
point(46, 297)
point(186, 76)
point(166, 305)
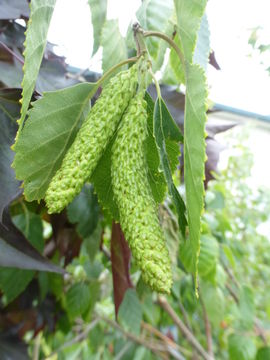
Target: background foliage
point(55, 314)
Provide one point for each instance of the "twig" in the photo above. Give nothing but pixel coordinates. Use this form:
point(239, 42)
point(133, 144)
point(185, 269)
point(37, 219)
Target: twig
point(37, 346)
point(185, 316)
point(165, 338)
point(83, 335)
point(155, 346)
point(167, 39)
point(183, 328)
point(11, 52)
point(208, 331)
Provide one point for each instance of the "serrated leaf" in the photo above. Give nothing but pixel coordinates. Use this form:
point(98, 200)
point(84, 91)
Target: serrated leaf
point(154, 15)
point(77, 299)
point(49, 131)
point(241, 347)
point(36, 38)
point(84, 211)
point(202, 49)
point(189, 13)
point(114, 46)
point(98, 16)
point(130, 312)
point(194, 153)
point(161, 114)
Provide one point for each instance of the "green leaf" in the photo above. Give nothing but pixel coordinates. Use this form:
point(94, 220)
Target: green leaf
point(77, 299)
point(98, 15)
point(246, 307)
point(175, 63)
point(36, 38)
point(130, 312)
point(92, 242)
point(14, 281)
point(214, 302)
point(102, 181)
point(202, 49)
point(114, 46)
point(209, 254)
point(263, 353)
point(194, 153)
point(161, 116)
point(241, 347)
point(84, 211)
point(48, 133)
point(189, 13)
point(154, 15)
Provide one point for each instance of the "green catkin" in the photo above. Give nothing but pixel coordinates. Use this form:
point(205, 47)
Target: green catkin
point(91, 140)
point(132, 192)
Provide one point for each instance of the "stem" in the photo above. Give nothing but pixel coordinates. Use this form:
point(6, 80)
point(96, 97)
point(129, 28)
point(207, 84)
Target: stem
point(208, 331)
point(115, 67)
point(12, 52)
point(138, 36)
point(155, 346)
point(156, 83)
point(182, 327)
point(169, 41)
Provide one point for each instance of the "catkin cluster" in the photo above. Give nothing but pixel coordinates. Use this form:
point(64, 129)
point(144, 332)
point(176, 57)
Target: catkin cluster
point(91, 140)
point(137, 208)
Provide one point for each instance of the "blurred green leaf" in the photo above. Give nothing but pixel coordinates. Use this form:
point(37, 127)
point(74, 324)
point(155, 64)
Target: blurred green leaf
point(77, 299)
point(246, 307)
point(241, 347)
point(130, 312)
point(263, 353)
point(84, 210)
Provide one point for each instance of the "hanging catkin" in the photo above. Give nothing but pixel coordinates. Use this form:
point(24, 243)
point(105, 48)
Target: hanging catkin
point(132, 192)
point(91, 140)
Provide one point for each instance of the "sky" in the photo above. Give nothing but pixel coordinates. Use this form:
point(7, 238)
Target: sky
point(242, 83)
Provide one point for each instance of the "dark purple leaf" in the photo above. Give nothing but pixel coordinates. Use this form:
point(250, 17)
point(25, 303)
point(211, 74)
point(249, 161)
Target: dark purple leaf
point(9, 113)
point(16, 251)
point(14, 9)
point(120, 257)
point(213, 61)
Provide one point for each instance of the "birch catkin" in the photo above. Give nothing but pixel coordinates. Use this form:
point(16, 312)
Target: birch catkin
point(137, 209)
point(91, 140)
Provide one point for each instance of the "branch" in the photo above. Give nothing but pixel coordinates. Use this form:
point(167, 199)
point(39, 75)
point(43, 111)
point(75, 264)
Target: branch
point(155, 346)
point(208, 331)
point(165, 338)
point(11, 52)
point(183, 328)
